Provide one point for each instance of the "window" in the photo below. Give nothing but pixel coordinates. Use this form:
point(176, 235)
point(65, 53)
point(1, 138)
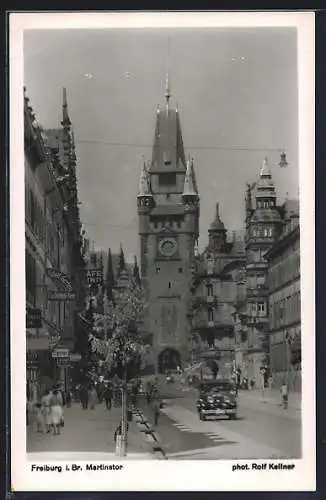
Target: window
point(169, 284)
point(210, 266)
point(209, 287)
point(261, 307)
point(155, 225)
point(210, 315)
point(180, 270)
point(167, 179)
point(158, 270)
point(179, 224)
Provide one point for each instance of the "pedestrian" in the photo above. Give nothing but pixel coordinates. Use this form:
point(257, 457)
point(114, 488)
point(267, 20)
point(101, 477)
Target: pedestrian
point(270, 382)
point(108, 397)
point(148, 392)
point(56, 412)
point(156, 411)
point(284, 395)
point(84, 397)
point(39, 418)
point(68, 398)
point(92, 397)
point(46, 410)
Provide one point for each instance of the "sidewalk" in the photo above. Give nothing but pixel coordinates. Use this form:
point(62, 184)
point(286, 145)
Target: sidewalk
point(90, 431)
point(272, 396)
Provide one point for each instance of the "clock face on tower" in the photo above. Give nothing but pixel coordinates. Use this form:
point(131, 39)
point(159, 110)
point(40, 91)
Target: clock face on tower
point(168, 247)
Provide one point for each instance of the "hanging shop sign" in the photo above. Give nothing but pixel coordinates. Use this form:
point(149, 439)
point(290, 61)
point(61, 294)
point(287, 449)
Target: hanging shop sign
point(61, 295)
point(61, 277)
point(94, 276)
point(75, 357)
point(33, 317)
point(60, 352)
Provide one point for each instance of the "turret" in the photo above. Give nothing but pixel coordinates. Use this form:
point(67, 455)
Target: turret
point(144, 197)
point(190, 192)
point(265, 190)
point(217, 233)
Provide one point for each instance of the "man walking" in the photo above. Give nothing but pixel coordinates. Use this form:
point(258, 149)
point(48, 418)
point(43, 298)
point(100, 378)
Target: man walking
point(108, 397)
point(156, 411)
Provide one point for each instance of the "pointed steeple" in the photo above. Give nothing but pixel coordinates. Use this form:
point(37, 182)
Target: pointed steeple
point(167, 79)
point(110, 282)
point(190, 187)
point(65, 115)
point(217, 224)
point(101, 267)
point(135, 271)
point(122, 263)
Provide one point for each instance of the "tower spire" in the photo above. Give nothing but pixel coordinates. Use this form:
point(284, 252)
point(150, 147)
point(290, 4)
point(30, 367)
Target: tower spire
point(65, 116)
point(167, 78)
point(189, 187)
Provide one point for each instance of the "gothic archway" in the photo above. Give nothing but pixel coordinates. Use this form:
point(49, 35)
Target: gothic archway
point(168, 360)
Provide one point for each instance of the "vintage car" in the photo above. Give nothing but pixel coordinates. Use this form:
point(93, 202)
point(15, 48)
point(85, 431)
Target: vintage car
point(217, 398)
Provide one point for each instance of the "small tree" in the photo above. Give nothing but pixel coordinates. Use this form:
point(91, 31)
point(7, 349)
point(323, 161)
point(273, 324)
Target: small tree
point(116, 336)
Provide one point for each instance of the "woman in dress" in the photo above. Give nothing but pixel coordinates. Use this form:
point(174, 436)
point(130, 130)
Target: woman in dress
point(46, 410)
point(92, 397)
point(56, 412)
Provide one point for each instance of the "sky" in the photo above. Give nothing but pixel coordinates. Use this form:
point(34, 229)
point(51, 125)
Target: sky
point(236, 91)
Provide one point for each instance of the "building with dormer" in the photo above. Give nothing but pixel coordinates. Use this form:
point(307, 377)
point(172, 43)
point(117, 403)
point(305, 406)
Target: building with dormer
point(217, 287)
point(264, 220)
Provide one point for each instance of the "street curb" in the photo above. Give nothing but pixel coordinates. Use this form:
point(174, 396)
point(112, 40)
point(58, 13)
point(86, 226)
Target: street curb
point(156, 447)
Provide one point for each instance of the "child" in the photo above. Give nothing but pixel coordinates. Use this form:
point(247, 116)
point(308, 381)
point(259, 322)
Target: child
point(39, 417)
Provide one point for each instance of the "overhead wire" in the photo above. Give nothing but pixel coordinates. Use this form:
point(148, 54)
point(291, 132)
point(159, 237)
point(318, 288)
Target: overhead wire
point(188, 146)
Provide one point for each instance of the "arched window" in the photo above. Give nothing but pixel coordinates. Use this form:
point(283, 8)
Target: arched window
point(210, 315)
point(209, 287)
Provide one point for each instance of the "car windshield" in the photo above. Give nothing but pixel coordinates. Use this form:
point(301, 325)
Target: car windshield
point(217, 388)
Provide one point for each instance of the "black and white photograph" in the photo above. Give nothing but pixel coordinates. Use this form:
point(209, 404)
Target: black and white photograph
point(162, 201)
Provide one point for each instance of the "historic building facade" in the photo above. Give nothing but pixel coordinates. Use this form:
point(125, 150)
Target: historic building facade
point(168, 212)
point(263, 226)
point(53, 259)
point(284, 302)
point(216, 289)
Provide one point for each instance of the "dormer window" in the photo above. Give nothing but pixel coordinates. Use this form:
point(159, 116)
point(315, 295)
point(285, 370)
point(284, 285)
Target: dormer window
point(166, 158)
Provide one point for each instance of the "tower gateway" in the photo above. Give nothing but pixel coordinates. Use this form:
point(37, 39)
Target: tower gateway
point(168, 211)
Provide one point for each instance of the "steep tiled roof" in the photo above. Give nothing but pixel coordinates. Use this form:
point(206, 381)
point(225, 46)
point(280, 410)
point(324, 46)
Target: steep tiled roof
point(168, 152)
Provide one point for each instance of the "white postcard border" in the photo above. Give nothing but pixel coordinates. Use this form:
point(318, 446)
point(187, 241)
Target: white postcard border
point(164, 475)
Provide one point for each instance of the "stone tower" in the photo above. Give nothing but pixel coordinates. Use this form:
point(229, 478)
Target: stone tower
point(263, 225)
point(168, 211)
